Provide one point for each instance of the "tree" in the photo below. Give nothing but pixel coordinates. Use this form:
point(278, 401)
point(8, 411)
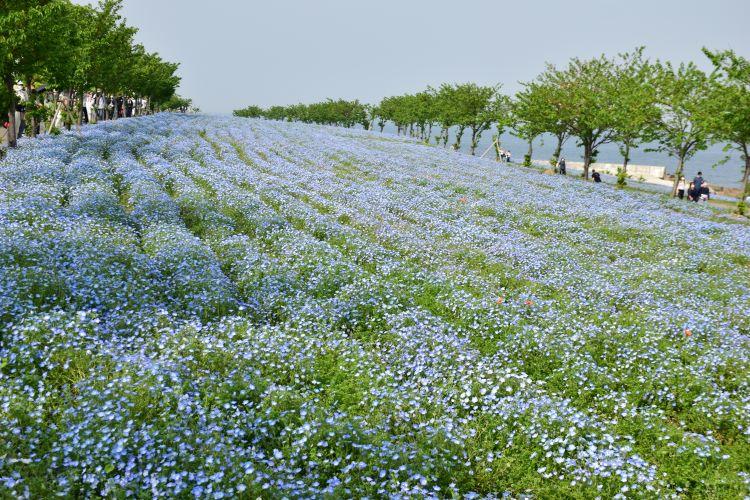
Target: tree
point(536, 111)
point(177, 103)
point(635, 113)
point(445, 112)
point(682, 99)
point(478, 107)
point(473, 107)
point(503, 119)
point(152, 77)
point(29, 31)
point(586, 110)
point(527, 120)
point(728, 116)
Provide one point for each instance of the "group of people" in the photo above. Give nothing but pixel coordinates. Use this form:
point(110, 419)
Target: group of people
point(697, 190)
point(504, 155)
point(62, 109)
point(104, 106)
point(561, 169)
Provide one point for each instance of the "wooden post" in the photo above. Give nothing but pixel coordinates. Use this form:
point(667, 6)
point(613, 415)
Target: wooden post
point(494, 143)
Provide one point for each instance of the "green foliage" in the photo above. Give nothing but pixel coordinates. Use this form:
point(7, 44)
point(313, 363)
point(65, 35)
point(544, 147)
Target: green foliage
point(177, 103)
point(80, 48)
point(340, 112)
point(635, 114)
point(682, 96)
point(622, 176)
point(728, 104)
point(583, 94)
point(626, 100)
point(249, 112)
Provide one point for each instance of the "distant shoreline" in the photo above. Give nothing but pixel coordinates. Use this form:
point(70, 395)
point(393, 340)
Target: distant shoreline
point(665, 184)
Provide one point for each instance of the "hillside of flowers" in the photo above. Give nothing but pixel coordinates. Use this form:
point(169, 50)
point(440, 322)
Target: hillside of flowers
point(219, 307)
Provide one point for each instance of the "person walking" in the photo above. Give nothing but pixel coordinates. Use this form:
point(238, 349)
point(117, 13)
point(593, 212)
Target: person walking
point(595, 175)
point(561, 166)
point(681, 187)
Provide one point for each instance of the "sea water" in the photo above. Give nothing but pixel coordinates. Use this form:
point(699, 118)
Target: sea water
point(728, 174)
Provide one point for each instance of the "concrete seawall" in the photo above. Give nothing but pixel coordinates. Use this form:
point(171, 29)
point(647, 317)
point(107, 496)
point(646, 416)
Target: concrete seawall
point(637, 171)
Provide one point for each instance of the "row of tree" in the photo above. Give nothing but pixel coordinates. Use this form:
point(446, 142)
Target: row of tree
point(627, 100)
point(74, 50)
point(340, 112)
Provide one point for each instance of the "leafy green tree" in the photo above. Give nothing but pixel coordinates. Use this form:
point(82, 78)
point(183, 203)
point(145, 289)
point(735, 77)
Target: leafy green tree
point(29, 31)
point(445, 111)
point(503, 120)
point(635, 113)
point(251, 111)
point(152, 77)
point(527, 120)
point(177, 103)
point(682, 98)
point(473, 107)
point(482, 106)
point(585, 89)
point(728, 116)
point(379, 116)
point(536, 111)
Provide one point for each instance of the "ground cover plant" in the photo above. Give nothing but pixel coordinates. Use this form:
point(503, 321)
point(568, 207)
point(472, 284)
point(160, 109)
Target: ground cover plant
point(219, 307)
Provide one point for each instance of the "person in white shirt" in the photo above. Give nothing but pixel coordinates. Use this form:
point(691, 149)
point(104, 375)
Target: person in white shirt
point(681, 187)
point(101, 105)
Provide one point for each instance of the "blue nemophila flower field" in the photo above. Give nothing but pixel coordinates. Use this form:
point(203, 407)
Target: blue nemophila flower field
point(213, 307)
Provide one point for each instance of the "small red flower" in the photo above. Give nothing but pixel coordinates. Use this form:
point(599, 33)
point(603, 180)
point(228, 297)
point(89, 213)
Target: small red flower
point(688, 333)
point(463, 200)
point(528, 302)
point(500, 299)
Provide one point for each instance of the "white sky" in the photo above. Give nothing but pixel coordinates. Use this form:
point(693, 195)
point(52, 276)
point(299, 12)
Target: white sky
point(239, 52)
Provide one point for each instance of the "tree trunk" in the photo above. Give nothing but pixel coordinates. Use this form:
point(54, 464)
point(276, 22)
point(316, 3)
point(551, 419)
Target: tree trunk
point(459, 134)
point(29, 85)
point(473, 147)
point(626, 158)
point(496, 143)
point(678, 174)
point(80, 110)
point(444, 136)
point(746, 177)
point(529, 154)
point(12, 142)
point(587, 153)
point(556, 154)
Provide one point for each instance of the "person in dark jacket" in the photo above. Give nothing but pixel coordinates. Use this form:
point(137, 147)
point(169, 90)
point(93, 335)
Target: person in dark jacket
point(596, 176)
point(561, 166)
point(698, 181)
point(705, 192)
point(692, 192)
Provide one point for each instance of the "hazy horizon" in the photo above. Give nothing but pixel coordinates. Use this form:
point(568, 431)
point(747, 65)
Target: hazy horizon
point(234, 53)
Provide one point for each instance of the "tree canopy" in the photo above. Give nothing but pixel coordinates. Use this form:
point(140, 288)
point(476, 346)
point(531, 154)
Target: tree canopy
point(77, 48)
